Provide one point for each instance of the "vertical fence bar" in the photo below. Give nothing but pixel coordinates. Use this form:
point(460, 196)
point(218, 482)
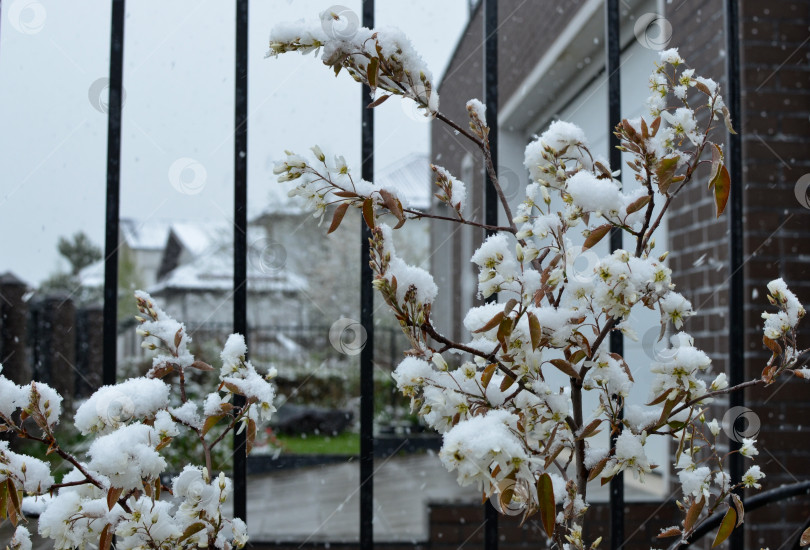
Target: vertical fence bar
point(736, 291)
point(367, 322)
point(613, 61)
point(490, 194)
point(240, 237)
point(109, 348)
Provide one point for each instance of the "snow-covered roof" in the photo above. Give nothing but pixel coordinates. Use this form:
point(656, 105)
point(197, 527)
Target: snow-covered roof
point(212, 269)
point(197, 237)
point(144, 234)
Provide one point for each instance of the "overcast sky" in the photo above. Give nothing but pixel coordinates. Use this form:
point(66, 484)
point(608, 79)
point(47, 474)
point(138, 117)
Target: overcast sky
point(178, 112)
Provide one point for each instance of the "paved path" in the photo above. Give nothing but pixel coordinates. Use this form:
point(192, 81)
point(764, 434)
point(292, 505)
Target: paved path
point(322, 503)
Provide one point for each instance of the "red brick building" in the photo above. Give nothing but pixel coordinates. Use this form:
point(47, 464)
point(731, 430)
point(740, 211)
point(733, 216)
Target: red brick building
point(551, 65)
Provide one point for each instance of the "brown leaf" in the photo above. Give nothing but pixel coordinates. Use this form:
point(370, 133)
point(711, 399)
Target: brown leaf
point(178, 337)
point(510, 305)
point(112, 496)
point(722, 189)
point(492, 323)
point(597, 468)
point(340, 211)
point(368, 212)
point(535, 330)
point(671, 532)
point(740, 508)
point(545, 498)
point(726, 527)
point(486, 376)
point(805, 540)
point(727, 120)
point(379, 101)
point(507, 382)
point(201, 365)
point(105, 541)
point(655, 125)
point(565, 367)
point(191, 530)
point(638, 204)
point(772, 345)
point(210, 422)
point(589, 429)
point(703, 88)
point(372, 70)
point(595, 236)
point(693, 514)
point(665, 172)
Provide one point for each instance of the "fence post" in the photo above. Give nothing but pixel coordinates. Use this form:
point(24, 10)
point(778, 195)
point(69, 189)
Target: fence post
point(89, 343)
point(612, 64)
point(13, 329)
point(367, 322)
point(56, 332)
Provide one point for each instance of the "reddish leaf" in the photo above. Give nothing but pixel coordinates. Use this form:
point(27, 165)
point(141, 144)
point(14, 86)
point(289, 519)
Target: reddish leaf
point(665, 172)
point(545, 497)
point(105, 541)
point(805, 540)
point(772, 345)
point(671, 532)
point(201, 365)
point(112, 496)
point(638, 204)
point(492, 323)
point(535, 330)
point(210, 422)
point(486, 376)
point(595, 236)
point(565, 367)
point(368, 212)
point(722, 188)
point(693, 514)
point(507, 382)
point(340, 211)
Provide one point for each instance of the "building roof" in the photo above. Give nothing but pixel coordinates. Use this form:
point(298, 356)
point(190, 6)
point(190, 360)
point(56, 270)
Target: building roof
point(144, 234)
point(212, 268)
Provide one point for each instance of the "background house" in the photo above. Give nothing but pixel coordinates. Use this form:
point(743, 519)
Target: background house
point(551, 66)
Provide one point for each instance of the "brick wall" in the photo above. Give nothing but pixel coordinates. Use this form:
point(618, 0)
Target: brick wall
point(775, 129)
point(775, 51)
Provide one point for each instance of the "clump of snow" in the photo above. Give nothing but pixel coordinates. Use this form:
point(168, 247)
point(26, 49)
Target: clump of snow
point(112, 406)
point(127, 456)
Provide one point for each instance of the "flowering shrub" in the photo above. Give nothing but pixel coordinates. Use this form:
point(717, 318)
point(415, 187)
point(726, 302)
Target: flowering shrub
point(524, 441)
point(117, 491)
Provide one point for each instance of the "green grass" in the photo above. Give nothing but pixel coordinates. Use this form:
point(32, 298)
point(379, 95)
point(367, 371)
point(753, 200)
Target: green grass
point(346, 443)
